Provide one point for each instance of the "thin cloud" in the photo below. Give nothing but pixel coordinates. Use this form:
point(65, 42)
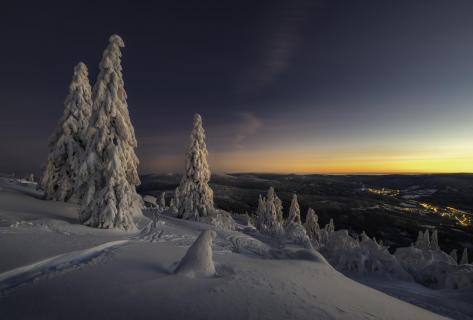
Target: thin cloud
point(248, 127)
point(283, 41)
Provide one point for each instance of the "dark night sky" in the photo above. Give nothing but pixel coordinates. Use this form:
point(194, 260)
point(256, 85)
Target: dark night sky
point(290, 86)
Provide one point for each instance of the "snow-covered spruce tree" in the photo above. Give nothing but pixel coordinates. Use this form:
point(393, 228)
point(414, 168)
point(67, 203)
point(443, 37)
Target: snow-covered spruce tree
point(269, 214)
point(294, 212)
point(464, 258)
point(172, 206)
point(279, 209)
point(427, 239)
point(194, 190)
point(454, 255)
point(68, 142)
point(109, 174)
point(434, 243)
point(330, 227)
point(176, 197)
point(162, 201)
point(420, 242)
point(312, 225)
point(261, 213)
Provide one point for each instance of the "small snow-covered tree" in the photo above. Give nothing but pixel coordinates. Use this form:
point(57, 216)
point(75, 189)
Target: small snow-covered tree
point(426, 239)
point(194, 190)
point(162, 201)
point(330, 227)
point(260, 213)
point(267, 220)
point(312, 225)
point(279, 209)
point(109, 174)
point(294, 211)
point(434, 242)
point(176, 197)
point(421, 241)
point(454, 255)
point(464, 258)
point(172, 206)
point(68, 142)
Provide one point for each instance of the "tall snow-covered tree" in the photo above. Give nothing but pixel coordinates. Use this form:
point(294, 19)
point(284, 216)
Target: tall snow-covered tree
point(464, 258)
point(312, 225)
point(68, 142)
point(194, 190)
point(109, 174)
point(294, 211)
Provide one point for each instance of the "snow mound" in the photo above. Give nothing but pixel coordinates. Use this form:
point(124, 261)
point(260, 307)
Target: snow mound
point(198, 261)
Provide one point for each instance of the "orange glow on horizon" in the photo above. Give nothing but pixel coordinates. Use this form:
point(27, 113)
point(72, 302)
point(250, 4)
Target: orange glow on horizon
point(329, 163)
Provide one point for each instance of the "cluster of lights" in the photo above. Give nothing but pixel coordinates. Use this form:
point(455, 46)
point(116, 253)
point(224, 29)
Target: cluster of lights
point(461, 217)
point(384, 192)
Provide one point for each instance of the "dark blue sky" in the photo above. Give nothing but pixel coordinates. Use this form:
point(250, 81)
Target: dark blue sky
point(324, 86)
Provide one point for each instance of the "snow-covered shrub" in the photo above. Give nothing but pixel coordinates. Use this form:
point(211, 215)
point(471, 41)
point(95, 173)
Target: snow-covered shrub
point(297, 234)
point(198, 261)
point(68, 142)
point(108, 175)
point(459, 277)
point(428, 267)
point(348, 254)
point(150, 201)
point(194, 190)
point(220, 219)
point(244, 219)
point(432, 267)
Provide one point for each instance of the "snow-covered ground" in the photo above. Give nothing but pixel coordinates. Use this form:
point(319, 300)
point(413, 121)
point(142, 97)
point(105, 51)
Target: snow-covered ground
point(51, 267)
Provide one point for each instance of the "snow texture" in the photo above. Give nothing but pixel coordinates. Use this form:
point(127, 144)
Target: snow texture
point(195, 197)
point(68, 142)
point(108, 176)
point(257, 277)
point(198, 261)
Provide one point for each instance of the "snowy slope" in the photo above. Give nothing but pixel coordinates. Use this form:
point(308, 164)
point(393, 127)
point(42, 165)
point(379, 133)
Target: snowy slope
point(53, 268)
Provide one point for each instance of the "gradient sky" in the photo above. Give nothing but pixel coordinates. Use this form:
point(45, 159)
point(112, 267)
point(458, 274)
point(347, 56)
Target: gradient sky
point(283, 86)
